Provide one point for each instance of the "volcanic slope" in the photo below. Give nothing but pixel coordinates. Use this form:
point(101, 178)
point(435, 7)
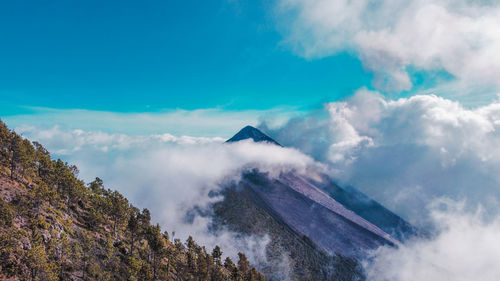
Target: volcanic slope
point(317, 235)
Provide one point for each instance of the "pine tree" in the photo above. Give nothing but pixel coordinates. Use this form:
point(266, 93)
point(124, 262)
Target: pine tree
point(203, 267)
point(43, 164)
point(229, 264)
point(190, 243)
point(157, 245)
point(118, 209)
point(216, 255)
point(5, 137)
point(27, 158)
point(15, 150)
point(243, 264)
point(133, 228)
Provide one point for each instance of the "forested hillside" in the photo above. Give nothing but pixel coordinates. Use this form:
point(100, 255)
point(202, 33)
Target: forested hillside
point(290, 256)
point(55, 227)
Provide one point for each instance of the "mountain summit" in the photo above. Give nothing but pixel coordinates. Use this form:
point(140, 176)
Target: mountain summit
point(255, 134)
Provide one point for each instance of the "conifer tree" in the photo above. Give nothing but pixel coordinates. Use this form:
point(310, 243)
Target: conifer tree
point(216, 255)
point(43, 164)
point(133, 228)
point(118, 209)
point(229, 264)
point(157, 245)
point(15, 150)
point(243, 264)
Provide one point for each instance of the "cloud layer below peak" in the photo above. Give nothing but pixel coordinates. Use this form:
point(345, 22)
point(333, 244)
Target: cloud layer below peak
point(406, 152)
point(176, 178)
point(465, 248)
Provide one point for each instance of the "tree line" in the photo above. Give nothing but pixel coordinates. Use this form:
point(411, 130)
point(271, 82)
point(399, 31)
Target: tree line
point(53, 226)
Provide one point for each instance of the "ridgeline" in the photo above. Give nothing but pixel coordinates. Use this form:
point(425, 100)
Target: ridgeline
point(55, 227)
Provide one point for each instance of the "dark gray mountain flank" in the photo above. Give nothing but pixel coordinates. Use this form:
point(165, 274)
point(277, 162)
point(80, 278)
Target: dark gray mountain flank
point(290, 254)
point(320, 229)
point(368, 209)
point(311, 212)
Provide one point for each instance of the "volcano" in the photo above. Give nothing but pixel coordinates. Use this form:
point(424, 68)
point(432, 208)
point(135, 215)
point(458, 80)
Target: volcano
point(322, 229)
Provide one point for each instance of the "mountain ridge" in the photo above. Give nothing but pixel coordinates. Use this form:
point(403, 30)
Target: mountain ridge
point(309, 218)
point(55, 227)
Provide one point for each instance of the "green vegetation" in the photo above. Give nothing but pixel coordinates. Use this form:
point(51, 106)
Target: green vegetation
point(54, 227)
point(243, 211)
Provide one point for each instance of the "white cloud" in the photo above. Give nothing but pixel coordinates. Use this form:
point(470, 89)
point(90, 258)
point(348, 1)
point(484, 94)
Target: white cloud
point(461, 37)
point(404, 153)
point(466, 248)
point(171, 175)
point(210, 122)
point(67, 142)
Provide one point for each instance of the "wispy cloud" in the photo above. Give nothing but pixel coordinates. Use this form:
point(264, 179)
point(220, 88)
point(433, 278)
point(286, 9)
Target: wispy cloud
point(201, 122)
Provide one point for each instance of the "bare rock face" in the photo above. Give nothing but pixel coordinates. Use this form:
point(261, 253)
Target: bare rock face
point(313, 213)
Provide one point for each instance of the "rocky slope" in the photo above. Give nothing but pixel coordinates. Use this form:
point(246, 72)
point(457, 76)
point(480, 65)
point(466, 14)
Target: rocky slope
point(320, 229)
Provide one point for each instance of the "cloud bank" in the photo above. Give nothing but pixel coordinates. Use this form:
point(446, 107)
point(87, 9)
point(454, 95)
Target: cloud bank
point(172, 176)
point(406, 152)
point(466, 248)
point(394, 37)
point(211, 122)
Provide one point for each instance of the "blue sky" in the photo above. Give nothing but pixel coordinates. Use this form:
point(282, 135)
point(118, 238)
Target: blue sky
point(129, 56)
point(62, 61)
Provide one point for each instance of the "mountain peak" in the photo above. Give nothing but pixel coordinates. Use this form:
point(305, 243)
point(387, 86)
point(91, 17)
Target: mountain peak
point(253, 133)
